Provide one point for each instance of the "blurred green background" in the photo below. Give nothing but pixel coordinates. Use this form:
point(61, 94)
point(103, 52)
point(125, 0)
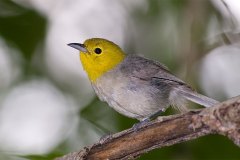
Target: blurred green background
point(47, 105)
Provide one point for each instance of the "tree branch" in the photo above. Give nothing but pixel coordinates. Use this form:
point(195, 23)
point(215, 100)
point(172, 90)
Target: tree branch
point(223, 119)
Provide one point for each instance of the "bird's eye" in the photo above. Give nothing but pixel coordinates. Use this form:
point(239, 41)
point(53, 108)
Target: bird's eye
point(98, 51)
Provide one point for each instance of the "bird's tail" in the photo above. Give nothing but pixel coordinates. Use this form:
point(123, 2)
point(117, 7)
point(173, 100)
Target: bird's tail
point(195, 97)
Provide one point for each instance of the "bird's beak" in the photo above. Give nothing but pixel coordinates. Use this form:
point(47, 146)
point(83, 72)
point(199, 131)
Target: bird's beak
point(78, 46)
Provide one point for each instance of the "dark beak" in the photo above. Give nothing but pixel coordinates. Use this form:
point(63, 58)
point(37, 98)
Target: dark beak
point(78, 46)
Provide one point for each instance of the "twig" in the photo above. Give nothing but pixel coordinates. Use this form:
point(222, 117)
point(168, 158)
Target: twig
point(223, 119)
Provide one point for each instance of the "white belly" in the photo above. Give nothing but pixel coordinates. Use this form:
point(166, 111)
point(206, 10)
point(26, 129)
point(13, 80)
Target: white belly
point(135, 100)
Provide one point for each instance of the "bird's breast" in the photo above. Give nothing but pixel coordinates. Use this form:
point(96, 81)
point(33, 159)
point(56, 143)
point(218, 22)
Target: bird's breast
point(128, 95)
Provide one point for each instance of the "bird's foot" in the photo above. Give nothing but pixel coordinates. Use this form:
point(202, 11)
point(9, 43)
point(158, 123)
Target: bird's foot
point(140, 124)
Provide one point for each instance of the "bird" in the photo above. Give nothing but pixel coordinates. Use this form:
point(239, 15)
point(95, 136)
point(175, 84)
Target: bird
point(133, 85)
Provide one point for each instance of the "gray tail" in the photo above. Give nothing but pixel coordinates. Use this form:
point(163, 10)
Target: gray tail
point(193, 96)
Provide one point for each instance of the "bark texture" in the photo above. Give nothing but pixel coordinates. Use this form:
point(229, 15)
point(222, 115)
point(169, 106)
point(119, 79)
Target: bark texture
point(223, 119)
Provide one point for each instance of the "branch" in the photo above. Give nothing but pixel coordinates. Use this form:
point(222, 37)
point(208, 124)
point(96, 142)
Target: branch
point(223, 119)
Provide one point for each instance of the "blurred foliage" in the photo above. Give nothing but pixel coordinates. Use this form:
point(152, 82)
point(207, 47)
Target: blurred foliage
point(25, 29)
point(50, 156)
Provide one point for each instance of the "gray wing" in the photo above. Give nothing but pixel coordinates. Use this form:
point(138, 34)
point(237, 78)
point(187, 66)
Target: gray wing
point(160, 77)
point(149, 70)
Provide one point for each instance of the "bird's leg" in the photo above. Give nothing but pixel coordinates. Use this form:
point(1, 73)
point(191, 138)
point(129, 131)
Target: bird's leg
point(148, 119)
point(156, 114)
point(141, 123)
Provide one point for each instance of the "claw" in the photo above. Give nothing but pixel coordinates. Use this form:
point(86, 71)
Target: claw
point(140, 124)
point(147, 119)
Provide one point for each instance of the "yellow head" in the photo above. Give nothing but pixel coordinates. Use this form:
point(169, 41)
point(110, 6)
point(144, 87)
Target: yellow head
point(99, 56)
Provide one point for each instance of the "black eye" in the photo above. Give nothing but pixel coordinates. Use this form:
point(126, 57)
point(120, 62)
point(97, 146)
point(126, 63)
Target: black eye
point(98, 51)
